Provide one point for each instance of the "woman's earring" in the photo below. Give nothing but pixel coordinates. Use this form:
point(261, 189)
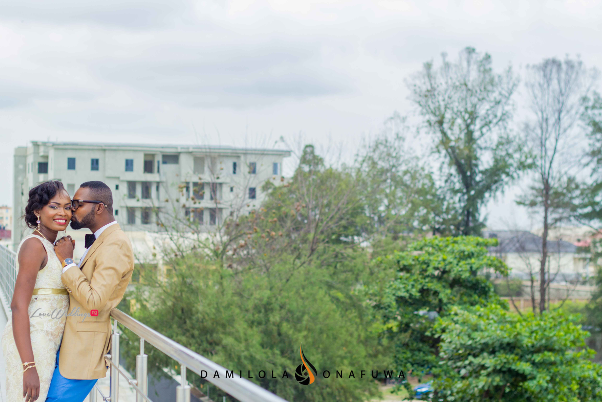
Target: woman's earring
point(38, 222)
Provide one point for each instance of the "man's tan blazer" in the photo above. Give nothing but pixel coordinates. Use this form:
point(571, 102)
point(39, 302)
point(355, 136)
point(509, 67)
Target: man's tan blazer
point(99, 284)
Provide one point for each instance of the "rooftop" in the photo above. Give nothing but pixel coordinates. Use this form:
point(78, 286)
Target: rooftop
point(165, 147)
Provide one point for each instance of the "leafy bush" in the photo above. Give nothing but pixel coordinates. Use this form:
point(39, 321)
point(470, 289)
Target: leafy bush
point(511, 287)
point(433, 276)
point(489, 354)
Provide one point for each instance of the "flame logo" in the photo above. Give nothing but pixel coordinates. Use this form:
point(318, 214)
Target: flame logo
point(305, 372)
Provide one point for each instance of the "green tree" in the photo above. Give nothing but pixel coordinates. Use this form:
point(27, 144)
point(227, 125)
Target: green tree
point(399, 192)
point(251, 320)
point(590, 208)
point(490, 354)
point(468, 108)
point(317, 209)
point(287, 274)
point(433, 276)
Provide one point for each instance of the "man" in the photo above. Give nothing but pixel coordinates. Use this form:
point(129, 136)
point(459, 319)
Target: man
point(95, 288)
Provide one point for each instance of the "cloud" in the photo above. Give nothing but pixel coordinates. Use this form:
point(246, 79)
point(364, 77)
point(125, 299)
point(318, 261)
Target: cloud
point(229, 70)
point(240, 73)
point(131, 14)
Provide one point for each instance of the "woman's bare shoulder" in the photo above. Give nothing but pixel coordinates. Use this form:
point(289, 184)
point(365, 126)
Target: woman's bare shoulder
point(32, 250)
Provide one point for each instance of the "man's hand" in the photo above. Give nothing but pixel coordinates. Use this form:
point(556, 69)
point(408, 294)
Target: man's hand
point(64, 248)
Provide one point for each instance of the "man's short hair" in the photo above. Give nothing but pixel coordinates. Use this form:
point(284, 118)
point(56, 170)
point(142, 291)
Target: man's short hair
point(100, 192)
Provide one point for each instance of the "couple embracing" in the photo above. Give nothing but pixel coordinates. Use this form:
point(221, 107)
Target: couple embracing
point(60, 331)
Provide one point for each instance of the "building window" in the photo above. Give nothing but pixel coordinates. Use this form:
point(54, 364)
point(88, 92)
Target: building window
point(213, 165)
point(42, 167)
point(116, 186)
point(213, 191)
point(70, 163)
point(158, 197)
point(116, 212)
point(252, 167)
point(131, 216)
point(171, 159)
point(146, 216)
point(275, 168)
point(129, 165)
point(131, 189)
point(213, 216)
point(198, 191)
point(94, 164)
point(146, 191)
point(252, 193)
point(198, 215)
point(199, 165)
point(148, 166)
point(233, 167)
point(231, 189)
point(149, 163)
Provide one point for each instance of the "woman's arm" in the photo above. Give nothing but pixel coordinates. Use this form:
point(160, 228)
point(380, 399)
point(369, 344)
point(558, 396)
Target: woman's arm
point(32, 257)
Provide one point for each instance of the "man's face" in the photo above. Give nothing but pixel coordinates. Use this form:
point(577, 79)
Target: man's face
point(85, 215)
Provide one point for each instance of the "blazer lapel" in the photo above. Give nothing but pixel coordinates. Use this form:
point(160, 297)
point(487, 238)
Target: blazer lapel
point(99, 241)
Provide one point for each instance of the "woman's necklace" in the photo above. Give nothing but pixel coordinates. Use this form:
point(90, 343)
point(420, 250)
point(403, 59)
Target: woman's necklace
point(43, 236)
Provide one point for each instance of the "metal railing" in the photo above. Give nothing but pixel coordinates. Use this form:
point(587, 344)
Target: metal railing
point(229, 382)
point(8, 275)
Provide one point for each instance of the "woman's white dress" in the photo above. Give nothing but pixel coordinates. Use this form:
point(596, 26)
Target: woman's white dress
point(48, 314)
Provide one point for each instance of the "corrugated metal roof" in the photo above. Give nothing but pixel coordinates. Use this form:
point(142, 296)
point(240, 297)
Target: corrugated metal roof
point(521, 241)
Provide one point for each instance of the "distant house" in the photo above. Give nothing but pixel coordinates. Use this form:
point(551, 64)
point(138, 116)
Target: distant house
point(5, 238)
point(521, 251)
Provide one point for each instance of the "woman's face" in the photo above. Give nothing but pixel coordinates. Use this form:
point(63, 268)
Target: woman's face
point(56, 215)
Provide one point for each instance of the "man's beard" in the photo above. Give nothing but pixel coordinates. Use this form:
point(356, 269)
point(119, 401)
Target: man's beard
point(86, 222)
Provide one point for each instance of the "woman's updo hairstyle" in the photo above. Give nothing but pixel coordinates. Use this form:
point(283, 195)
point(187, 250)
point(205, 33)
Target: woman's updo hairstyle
point(40, 196)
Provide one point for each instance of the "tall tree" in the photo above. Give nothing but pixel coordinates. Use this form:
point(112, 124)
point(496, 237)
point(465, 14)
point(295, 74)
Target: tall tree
point(555, 93)
point(400, 194)
point(467, 108)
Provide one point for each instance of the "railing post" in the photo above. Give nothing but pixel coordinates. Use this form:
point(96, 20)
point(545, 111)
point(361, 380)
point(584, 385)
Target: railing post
point(114, 367)
point(183, 390)
point(141, 372)
point(93, 394)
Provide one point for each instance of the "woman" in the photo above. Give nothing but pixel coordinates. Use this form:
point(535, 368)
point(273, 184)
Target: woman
point(40, 301)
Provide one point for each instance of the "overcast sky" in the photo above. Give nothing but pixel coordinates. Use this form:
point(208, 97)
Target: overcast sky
point(247, 72)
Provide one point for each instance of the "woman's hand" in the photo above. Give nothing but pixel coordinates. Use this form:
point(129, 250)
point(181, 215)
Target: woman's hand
point(31, 385)
point(64, 248)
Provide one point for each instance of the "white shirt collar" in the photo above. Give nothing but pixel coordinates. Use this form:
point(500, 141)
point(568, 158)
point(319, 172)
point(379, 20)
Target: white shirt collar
point(102, 229)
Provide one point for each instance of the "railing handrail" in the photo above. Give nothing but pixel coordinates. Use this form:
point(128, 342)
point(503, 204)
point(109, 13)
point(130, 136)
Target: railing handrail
point(236, 386)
